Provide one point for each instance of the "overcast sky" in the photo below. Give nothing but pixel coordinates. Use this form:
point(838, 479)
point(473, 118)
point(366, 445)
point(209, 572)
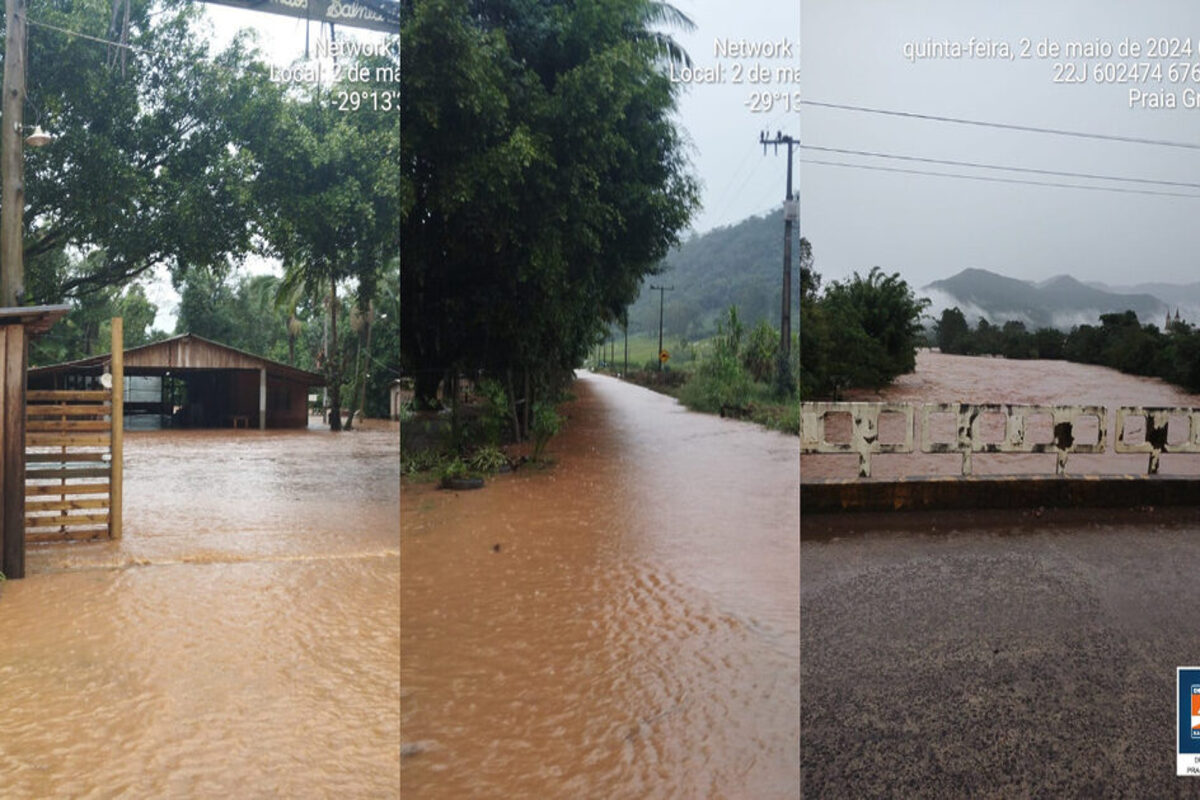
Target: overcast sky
point(925, 227)
point(738, 180)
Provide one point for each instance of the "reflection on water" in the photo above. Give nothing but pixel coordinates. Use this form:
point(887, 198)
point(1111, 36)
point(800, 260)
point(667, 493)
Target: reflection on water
point(240, 641)
point(623, 625)
point(943, 378)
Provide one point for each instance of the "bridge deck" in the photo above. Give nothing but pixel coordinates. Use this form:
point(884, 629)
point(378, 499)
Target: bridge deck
point(1000, 491)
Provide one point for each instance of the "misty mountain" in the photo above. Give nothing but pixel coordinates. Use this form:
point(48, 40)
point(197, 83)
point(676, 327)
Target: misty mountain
point(1182, 296)
point(1059, 302)
point(739, 264)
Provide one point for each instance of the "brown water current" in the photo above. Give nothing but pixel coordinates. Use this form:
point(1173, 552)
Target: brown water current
point(242, 640)
point(941, 378)
point(624, 624)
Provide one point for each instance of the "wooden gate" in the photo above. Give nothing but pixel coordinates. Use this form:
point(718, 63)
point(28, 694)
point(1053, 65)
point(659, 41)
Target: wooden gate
point(73, 459)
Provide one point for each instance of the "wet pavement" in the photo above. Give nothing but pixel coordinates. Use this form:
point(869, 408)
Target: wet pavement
point(622, 625)
point(997, 654)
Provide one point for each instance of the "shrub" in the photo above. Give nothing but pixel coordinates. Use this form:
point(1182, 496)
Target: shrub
point(487, 459)
point(494, 419)
point(455, 468)
point(761, 352)
point(546, 423)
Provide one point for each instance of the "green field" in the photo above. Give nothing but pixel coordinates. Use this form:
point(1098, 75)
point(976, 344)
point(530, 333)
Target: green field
point(643, 348)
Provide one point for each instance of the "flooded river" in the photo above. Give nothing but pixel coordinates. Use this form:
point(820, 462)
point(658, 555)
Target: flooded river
point(242, 640)
point(625, 624)
point(941, 378)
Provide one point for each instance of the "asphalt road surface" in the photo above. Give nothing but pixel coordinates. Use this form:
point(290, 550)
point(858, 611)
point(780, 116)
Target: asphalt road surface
point(1008, 654)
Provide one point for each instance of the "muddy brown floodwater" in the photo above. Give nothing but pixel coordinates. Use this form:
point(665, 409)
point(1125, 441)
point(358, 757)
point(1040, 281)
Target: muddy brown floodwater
point(625, 624)
point(941, 378)
point(242, 640)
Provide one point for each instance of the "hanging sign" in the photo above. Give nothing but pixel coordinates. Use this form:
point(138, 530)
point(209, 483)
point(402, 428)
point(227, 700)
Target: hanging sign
point(375, 15)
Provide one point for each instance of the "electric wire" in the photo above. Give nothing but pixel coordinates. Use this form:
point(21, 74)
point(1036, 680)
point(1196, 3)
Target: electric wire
point(948, 162)
point(1004, 125)
point(135, 48)
point(998, 180)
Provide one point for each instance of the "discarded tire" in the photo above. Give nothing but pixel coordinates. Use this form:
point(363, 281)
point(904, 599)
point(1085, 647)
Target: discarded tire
point(460, 484)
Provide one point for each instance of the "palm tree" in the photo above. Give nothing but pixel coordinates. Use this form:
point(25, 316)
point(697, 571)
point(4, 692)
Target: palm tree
point(654, 13)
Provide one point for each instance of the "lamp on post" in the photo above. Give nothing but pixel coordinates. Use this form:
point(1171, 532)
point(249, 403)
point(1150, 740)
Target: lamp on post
point(16, 322)
point(39, 138)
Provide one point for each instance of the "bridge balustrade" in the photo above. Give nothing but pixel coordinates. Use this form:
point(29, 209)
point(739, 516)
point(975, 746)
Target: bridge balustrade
point(1068, 430)
point(1156, 421)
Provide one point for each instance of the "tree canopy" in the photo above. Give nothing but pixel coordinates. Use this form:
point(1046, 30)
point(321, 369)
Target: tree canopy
point(542, 178)
point(151, 162)
point(861, 332)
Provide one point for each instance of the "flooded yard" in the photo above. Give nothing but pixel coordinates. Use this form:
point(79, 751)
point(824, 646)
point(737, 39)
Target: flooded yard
point(242, 640)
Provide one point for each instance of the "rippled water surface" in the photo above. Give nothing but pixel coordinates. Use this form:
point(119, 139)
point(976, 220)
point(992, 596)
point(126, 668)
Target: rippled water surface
point(242, 640)
point(941, 378)
point(625, 624)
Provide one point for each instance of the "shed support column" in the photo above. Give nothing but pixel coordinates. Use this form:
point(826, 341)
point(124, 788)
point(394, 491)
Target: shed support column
point(262, 399)
point(116, 491)
point(12, 444)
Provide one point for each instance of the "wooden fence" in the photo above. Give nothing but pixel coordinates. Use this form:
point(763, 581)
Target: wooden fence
point(73, 459)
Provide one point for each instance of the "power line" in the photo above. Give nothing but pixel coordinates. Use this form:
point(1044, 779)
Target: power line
point(998, 180)
point(999, 167)
point(1005, 126)
point(109, 42)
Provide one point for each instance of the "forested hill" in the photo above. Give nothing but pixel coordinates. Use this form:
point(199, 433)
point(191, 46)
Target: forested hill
point(739, 265)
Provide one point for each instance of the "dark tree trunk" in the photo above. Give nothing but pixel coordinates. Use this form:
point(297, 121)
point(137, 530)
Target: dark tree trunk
point(512, 399)
point(425, 390)
point(334, 370)
point(366, 365)
point(528, 403)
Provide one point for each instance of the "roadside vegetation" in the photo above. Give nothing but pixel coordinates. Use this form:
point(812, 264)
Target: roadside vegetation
point(735, 373)
point(1120, 341)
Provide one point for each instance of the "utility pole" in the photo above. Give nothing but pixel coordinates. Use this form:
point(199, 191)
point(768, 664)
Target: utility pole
point(791, 213)
point(625, 372)
point(12, 280)
point(12, 156)
point(660, 290)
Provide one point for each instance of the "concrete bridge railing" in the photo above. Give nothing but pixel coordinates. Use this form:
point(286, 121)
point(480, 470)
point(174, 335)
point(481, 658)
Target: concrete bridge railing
point(1068, 429)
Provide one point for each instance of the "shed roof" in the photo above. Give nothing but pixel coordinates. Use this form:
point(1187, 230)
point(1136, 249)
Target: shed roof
point(187, 352)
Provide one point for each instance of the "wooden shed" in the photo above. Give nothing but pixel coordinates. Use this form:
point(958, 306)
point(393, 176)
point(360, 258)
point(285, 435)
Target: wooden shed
point(191, 382)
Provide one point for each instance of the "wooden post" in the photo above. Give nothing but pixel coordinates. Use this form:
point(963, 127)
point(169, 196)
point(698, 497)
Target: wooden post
point(262, 399)
point(116, 496)
point(12, 359)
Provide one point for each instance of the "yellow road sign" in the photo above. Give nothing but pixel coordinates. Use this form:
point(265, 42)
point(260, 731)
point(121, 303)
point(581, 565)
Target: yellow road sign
point(663, 356)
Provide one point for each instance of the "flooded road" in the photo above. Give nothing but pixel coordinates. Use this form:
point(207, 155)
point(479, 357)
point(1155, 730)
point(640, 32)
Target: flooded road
point(240, 641)
point(625, 624)
point(941, 378)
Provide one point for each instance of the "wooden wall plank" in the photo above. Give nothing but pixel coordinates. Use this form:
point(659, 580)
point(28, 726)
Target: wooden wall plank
point(66, 396)
point(39, 439)
point(66, 473)
point(36, 504)
point(66, 425)
point(70, 488)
